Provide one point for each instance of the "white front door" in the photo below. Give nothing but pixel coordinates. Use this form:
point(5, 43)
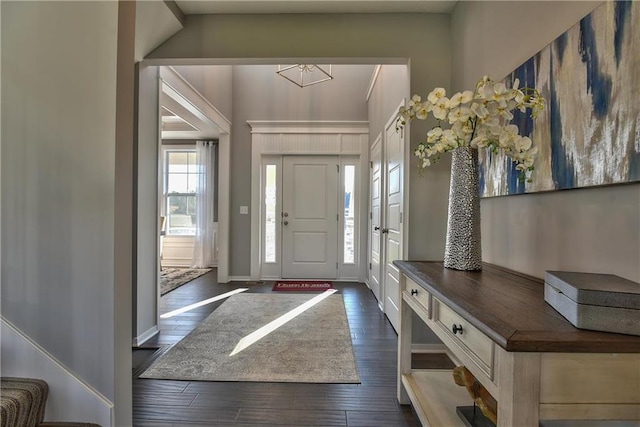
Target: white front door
point(376, 218)
point(392, 232)
point(310, 217)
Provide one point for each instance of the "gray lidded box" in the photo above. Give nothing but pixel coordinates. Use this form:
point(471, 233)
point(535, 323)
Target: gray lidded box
point(601, 302)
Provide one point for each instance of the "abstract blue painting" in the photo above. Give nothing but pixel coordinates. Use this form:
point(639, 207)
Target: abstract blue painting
point(589, 133)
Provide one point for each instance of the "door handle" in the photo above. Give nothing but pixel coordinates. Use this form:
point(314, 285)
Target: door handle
point(385, 230)
point(285, 222)
point(376, 228)
point(285, 214)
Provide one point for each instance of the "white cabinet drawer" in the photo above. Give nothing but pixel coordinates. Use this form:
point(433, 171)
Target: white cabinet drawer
point(419, 294)
point(468, 338)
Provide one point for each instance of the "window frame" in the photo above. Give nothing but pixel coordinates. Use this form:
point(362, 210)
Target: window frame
point(166, 150)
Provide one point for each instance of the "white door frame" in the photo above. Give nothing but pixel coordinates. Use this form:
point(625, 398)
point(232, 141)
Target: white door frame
point(190, 99)
point(270, 138)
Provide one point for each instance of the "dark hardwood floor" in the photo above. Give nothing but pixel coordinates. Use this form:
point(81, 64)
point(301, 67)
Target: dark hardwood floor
point(162, 403)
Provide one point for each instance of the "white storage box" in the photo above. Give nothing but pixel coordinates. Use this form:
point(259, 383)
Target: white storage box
point(601, 302)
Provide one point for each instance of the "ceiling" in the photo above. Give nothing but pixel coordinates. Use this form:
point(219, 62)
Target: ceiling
point(191, 7)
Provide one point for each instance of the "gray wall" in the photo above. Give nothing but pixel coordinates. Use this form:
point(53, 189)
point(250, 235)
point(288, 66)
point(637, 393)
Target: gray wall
point(391, 88)
point(421, 39)
point(592, 229)
point(58, 180)
point(260, 94)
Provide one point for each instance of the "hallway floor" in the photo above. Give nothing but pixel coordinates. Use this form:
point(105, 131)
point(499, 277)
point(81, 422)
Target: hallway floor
point(163, 403)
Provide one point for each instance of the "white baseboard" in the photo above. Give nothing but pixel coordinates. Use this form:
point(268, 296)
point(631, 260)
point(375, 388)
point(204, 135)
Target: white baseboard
point(70, 398)
point(239, 278)
point(428, 348)
point(150, 333)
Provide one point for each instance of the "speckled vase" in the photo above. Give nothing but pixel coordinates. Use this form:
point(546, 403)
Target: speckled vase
point(463, 250)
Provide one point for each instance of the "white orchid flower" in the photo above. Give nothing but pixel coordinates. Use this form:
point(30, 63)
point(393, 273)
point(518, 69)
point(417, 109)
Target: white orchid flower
point(423, 110)
point(479, 119)
point(479, 110)
point(462, 131)
point(436, 131)
point(522, 144)
point(455, 100)
point(441, 108)
point(467, 96)
point(505, 113)
point(511, 129)
point(459, 114)
point(436, 94)
point(415, 100)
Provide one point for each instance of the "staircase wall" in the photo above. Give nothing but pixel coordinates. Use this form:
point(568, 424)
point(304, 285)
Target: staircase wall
point(69, 397)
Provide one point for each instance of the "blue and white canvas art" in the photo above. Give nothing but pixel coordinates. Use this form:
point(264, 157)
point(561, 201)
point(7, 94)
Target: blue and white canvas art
point(589, 133)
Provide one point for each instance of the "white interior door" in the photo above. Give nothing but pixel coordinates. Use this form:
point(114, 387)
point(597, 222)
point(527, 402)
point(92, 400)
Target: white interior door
point(375, 254)
point(392, 232)
point(310, 217)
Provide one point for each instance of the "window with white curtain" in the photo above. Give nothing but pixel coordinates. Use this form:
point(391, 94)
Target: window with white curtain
point(179, 195)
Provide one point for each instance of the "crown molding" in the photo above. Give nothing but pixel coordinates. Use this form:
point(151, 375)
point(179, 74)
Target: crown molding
point(308, 127)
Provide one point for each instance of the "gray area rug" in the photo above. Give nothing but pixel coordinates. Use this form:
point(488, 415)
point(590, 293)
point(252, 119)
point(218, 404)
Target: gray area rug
point(172, 278)
point(314, 347)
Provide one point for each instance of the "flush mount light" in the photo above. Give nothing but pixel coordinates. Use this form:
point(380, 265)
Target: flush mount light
point(304, 75)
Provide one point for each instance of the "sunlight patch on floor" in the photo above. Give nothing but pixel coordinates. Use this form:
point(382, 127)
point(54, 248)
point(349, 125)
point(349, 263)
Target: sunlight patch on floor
point(265, 330)
point(201, 303)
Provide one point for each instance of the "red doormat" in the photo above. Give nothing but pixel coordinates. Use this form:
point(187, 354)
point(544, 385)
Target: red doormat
point(302, 285)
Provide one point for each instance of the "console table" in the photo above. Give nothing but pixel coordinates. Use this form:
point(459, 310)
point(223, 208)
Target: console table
point(536, 364)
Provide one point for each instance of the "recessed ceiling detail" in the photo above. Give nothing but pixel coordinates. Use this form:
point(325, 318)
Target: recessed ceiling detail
point(185, 113)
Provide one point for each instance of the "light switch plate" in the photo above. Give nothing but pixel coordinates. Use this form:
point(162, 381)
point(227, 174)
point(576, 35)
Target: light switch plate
point(244, 210)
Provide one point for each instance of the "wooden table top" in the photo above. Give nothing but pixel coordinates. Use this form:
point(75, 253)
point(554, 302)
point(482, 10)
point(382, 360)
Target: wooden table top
point(509, 307)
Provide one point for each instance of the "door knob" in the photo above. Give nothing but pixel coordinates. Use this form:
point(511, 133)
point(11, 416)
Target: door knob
point(286, 222)
point(376, 228)
point(456, 329)
point(385, 230)
point(285, 214)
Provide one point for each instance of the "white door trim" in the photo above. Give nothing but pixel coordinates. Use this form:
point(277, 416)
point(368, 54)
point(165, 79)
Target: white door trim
point(302, 138)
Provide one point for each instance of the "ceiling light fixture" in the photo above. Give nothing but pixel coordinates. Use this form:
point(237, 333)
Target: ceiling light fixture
point(304, 75)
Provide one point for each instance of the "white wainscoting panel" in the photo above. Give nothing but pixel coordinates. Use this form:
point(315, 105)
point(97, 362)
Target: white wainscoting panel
point(177, 251)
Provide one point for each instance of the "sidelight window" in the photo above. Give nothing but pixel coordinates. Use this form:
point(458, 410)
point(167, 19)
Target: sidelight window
point(349, 214)
point(270, 213)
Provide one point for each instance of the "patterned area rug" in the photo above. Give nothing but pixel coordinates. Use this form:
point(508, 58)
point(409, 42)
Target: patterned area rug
point(172, 278)
point(313, 347)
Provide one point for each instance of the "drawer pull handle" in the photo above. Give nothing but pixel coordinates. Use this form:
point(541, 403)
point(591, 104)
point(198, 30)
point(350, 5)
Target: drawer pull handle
point(456, 328)
point(414, 292)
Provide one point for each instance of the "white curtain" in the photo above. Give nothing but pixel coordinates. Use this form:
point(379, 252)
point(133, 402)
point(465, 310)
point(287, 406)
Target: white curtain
point(203, 248)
